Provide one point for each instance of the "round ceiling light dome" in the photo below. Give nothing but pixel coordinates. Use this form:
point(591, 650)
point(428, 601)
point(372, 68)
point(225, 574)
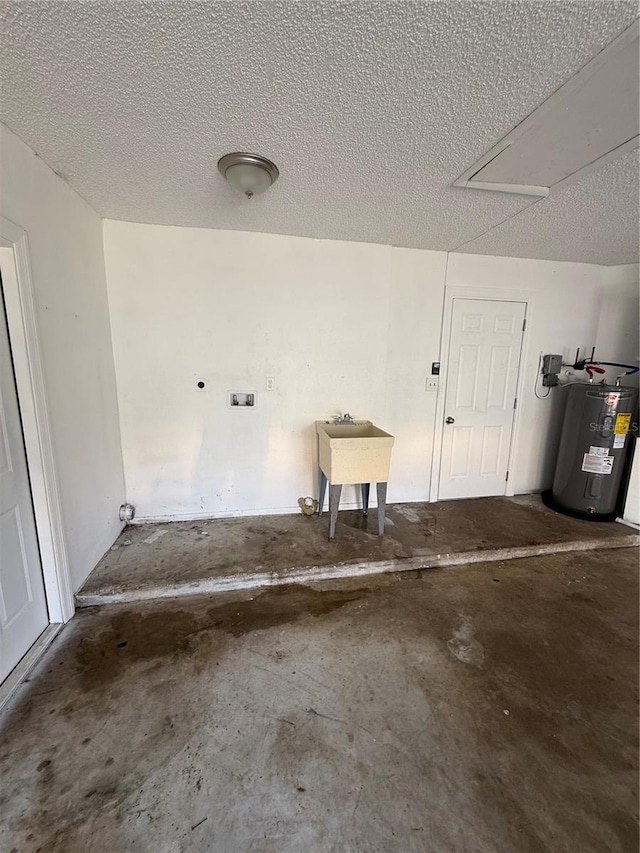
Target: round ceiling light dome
point(250, 174)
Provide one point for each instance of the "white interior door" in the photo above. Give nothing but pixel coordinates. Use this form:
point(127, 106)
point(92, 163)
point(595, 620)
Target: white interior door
point(482, 377)
point(23, 606)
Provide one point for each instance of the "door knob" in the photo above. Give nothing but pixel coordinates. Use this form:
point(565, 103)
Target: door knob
point(450, 420)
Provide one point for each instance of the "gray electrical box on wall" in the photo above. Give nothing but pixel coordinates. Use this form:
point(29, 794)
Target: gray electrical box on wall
point(551, 367)
point(551, 363)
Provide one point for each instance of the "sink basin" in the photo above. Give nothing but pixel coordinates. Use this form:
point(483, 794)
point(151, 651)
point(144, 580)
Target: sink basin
point(354, 453)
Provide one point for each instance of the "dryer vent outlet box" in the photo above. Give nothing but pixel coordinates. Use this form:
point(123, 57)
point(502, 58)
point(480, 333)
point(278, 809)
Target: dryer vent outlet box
point(241, 399)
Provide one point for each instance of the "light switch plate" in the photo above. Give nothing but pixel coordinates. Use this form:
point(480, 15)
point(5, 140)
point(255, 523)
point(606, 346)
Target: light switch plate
point(432, 383)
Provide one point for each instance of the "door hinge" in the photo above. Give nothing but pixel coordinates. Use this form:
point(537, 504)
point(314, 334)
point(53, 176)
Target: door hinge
point(507, 477)
point(515, 403)
point(524, 324)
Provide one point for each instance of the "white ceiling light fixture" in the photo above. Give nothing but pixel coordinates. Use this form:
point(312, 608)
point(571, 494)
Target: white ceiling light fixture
point(250, 174)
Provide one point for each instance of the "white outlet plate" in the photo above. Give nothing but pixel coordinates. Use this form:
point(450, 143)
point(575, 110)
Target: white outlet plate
point(269, 384)
point(432, 383)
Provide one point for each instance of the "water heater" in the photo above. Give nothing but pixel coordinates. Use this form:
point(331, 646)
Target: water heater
point(593, 447)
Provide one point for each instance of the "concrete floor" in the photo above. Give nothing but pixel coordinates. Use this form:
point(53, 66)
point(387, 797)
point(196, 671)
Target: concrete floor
point(491, 708)
point(223, 554)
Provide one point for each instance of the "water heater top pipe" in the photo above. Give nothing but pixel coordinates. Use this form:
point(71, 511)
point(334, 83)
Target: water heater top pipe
point(591, 369)
point(630, 367)
point(581, 363)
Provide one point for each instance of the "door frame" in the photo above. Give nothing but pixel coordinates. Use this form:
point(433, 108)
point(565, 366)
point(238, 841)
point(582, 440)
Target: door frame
point(494, 295)
point(36, 424)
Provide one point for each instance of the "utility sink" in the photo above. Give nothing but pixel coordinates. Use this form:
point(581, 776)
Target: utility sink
point(358, 452)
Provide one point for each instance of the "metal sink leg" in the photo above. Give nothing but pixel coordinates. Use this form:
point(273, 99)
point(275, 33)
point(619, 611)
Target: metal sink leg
point(334, 503)
point(382, 506)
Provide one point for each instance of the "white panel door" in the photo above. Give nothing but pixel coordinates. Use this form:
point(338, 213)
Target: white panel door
point(23, 607)
point(482, 376)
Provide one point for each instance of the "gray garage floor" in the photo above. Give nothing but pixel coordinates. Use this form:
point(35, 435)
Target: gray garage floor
point(152, 560)
point(483, 708)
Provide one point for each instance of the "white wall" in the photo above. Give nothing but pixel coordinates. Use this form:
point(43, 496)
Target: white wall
point(619, 340)
point(67, 263)
point(416, 296)
point(340, 326)
point(632, 504)
point(618, 337)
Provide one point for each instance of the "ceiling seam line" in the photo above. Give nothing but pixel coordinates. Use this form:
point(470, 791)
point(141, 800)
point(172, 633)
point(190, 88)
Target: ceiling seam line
point(498, 224)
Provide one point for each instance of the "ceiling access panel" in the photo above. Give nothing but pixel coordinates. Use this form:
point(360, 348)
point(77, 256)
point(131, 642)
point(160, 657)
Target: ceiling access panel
point(589, 120)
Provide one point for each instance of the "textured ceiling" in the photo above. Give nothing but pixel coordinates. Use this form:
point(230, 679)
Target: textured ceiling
point(570, 226)
point(370, 110)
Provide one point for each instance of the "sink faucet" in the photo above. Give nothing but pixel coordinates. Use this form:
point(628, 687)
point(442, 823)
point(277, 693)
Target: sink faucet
point(343, 419)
